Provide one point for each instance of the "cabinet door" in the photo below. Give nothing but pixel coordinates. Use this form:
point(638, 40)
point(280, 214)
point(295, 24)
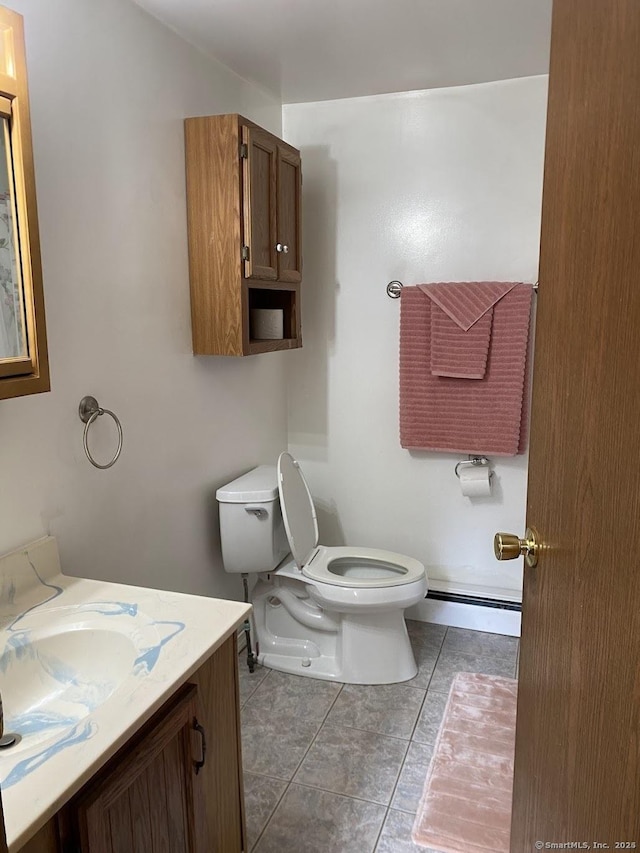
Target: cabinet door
point(289, 221)
point(259, 204)
point(143, 801)
point(220, 782)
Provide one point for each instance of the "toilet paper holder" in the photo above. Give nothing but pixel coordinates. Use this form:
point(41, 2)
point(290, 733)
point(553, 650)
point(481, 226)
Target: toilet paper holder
point(473, 460)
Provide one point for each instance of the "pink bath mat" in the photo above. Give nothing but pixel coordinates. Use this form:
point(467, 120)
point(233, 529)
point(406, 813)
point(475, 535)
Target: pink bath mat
point(466, 802)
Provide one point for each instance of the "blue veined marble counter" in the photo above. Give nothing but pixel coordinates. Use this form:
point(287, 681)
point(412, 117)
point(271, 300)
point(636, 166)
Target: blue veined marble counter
point(83, 664)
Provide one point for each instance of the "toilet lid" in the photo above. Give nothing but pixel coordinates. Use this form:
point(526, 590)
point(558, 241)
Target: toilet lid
point(298, 511)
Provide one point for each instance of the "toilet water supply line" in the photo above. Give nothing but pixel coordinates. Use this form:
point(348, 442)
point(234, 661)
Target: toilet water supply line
point(251, 658)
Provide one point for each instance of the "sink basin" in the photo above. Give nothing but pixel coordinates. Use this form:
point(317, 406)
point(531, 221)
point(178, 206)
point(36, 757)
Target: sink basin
point(50, 680)
point(60, 664)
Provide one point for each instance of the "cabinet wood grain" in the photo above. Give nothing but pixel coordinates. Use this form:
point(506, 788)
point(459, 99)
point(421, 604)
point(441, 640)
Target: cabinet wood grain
point(289, 205)
point(215, 240)
point(260, 173)
point(220, 780)
point(154, 777)
point(244, 222)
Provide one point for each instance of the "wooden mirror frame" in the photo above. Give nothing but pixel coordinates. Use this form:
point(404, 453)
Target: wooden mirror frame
point(30, 374)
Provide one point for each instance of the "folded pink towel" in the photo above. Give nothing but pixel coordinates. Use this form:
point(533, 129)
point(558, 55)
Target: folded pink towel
point(461, 321)
point(458, 415)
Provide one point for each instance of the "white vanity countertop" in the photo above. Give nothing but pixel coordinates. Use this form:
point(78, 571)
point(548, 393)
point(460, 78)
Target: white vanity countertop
point(83, 665)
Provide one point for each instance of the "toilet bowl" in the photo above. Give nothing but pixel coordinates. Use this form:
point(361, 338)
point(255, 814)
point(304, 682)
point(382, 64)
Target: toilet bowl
point(327, 612)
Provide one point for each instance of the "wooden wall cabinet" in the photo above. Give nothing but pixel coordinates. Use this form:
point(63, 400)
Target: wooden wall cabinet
point(149, 798)
point(244, 189)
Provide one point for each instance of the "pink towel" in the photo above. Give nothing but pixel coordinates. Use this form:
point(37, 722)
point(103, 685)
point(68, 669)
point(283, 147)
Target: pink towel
point(461, 321)
point(458, 415)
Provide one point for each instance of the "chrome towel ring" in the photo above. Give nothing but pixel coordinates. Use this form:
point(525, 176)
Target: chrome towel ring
point(89, 410)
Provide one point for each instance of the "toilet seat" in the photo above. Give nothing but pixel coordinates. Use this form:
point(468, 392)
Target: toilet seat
point(357, 568)
point(362, 567)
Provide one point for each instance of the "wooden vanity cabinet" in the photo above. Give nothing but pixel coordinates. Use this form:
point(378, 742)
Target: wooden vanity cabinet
point(244, 189)
point(149, 798)
point(143, 801)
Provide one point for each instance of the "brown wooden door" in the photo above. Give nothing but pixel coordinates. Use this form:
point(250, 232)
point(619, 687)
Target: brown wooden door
point(577, 770)
point(289, 225)
point(143, 802)
point(260, 204)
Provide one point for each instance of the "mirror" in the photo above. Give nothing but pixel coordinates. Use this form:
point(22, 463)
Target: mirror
point(13, 338)
point(24, 367)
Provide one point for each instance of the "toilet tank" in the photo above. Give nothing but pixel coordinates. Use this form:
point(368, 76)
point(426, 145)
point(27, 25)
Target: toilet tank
point(252, 532)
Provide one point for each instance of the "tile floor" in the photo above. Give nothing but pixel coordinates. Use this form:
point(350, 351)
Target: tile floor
point(332, 768)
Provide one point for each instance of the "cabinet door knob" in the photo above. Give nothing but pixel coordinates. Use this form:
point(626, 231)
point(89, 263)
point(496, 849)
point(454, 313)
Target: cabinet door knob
point(279, 247)
point(285, 249)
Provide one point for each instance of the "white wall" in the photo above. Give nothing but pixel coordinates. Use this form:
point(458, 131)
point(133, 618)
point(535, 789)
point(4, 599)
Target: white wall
point(441, 185)
point(110, 87)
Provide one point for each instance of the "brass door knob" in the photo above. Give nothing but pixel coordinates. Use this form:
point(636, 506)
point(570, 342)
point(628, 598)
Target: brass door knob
point(506, 546)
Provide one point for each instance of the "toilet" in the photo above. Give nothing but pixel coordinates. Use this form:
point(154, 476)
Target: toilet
point(335, 613)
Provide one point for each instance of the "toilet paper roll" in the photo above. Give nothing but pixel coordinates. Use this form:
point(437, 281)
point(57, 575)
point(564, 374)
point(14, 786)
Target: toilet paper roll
point(475, 480)
point(267, 324)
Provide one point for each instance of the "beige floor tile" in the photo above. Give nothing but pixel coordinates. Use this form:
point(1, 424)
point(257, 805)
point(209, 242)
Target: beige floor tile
point(480, 643)
point(249, 681)
point(451, 662)
point(306, 699)
point(312, 821)
point(428, 724)
point(261, 796)
point(274, 745)
point(406, 796)
point(396, 835)
point(354, 763)
point(388, 709)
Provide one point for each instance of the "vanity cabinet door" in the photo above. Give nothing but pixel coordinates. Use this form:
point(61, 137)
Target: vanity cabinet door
point(220, 783)
point(143, 802)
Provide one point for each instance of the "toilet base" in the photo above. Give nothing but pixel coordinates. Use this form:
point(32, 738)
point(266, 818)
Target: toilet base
point(368, 657)
point(353, 648)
